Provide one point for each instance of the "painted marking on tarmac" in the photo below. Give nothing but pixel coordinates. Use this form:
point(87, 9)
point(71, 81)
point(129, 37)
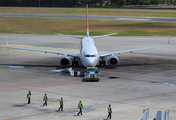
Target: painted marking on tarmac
point(135, 19)
point(119, 102)
point(119, 49)
point(33, 86)
point(53, 100)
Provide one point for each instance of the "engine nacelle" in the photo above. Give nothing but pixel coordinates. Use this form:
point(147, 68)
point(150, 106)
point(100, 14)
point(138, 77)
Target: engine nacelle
point(65, 61)
point(113, 60)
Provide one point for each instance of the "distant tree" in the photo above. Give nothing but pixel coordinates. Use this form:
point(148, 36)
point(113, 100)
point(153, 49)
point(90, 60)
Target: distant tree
point(162, 1)
point(155, 2)
point(168, 2)
point(141, 2)
point(121, 2)
point(114, 1)
point(144, 2)
point(128, 2)
point(147, 2)
point(135, 2)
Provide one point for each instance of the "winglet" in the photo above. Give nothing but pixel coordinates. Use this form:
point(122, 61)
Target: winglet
point(7, 42)
point(168, 41)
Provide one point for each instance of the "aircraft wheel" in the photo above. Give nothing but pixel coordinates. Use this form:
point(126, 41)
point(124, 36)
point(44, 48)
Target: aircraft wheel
point(100, 63)
point(104, 62)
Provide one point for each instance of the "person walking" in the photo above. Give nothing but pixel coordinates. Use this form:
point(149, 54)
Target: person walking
point(80, 106)
point(75, 72)
point(45, 99)
point(61, 104)
point(109, 112)
point(29, 97)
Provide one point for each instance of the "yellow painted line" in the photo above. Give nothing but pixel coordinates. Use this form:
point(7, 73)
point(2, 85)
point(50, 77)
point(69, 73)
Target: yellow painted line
point(119, 49)
point(140, 52)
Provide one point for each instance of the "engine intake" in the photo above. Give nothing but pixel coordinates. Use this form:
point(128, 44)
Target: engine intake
point(113, 60)
point(65, 61)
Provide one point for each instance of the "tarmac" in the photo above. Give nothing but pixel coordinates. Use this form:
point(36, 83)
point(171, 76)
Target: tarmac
point(143, 79)
point(92, 17)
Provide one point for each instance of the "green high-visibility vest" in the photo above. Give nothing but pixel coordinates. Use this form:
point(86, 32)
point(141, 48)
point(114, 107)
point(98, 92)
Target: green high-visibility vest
point(45, 98)
point(28, 95)
point(80, 105)
point(109, 109)
point(60, 102)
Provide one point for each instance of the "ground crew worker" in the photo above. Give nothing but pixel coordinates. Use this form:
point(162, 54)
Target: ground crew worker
point(45, 99)
point(29, 97)
point(75, 72)
point(80, 106)
point(61, 104)
point(109, 112)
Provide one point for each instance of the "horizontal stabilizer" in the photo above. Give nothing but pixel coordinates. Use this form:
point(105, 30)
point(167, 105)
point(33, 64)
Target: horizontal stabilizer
point(72, 36)
point(104, 35)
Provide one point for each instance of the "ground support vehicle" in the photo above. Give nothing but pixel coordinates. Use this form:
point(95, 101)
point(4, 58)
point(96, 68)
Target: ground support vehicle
point(92, 74)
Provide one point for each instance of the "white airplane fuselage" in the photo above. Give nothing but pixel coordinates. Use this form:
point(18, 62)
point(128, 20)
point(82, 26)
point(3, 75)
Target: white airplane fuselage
point(89, 53)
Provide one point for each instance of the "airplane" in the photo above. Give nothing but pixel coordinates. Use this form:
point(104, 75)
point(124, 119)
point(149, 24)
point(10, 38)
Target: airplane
point(89, 54)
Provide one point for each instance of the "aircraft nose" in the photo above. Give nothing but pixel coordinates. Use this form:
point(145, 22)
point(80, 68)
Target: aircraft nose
point(90, 63)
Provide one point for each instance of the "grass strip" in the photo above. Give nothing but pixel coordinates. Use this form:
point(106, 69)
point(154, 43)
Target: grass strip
point(94, 11)
point(78, 27)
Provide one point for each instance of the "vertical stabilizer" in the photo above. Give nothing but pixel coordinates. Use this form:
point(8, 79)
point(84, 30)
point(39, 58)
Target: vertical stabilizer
point(87, 21)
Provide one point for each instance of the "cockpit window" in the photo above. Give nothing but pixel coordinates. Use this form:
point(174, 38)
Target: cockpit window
point(89, 55)
point(93, 55)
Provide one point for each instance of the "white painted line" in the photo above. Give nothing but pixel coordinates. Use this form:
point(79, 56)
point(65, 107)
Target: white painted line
point(133, 19)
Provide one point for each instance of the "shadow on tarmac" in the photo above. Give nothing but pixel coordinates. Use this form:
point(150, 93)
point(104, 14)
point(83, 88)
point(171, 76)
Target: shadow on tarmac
point(20, 105)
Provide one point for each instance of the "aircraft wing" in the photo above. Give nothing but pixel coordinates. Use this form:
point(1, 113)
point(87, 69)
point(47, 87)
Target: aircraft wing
point(46, 51)
point(131, 50)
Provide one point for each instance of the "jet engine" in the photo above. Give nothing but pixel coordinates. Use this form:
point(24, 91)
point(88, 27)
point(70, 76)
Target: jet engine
point(65, 61)
point(113, 60)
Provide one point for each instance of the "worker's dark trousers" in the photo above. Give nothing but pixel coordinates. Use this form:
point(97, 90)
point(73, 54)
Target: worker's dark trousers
point(80, 111)
point(29, 100)
point(45, 103)
point(109, 115)
point(61, 107)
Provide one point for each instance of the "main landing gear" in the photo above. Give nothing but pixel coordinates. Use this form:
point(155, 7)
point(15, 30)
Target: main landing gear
point(74, 62)
point(102, 62)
